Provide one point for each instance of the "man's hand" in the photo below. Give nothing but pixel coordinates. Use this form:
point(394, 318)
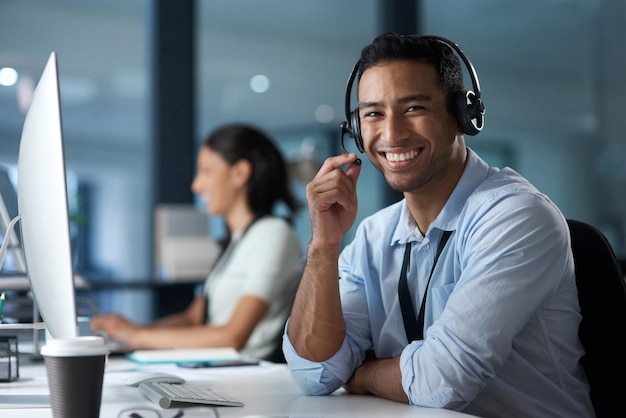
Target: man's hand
point(332, 198)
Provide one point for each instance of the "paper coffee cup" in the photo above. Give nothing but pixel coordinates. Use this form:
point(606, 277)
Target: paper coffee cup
point(75, 370)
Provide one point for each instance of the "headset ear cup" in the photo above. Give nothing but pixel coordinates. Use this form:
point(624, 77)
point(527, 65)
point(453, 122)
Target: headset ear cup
point(355, 125)
point(465, 111)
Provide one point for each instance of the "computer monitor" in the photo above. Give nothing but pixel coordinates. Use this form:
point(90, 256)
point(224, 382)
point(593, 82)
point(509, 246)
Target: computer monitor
point(43, 207)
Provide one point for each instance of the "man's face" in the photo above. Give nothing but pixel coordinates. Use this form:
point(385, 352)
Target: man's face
point(408, 133)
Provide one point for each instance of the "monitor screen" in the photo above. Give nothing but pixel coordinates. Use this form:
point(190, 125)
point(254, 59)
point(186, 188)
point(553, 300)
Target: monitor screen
point(43, 207)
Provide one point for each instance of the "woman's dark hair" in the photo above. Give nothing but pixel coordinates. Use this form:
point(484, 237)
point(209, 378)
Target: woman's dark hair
point(269, 180)
point(393, 46)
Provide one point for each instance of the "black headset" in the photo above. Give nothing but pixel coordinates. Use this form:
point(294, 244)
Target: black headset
point(467, 106)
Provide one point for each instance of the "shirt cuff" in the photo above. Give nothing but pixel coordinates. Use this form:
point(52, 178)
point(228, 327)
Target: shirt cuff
point(318, 378)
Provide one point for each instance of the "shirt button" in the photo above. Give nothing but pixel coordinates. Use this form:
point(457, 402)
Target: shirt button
point(427, 247)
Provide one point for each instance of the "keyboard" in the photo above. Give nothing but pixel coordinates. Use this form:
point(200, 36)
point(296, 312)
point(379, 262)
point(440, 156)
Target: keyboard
point(171, 395)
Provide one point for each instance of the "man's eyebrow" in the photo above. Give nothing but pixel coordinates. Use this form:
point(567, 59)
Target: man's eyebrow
point(364, 105)
point(402, 100)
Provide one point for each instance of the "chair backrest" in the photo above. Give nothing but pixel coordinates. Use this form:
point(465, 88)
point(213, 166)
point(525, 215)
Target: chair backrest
point(602, 298)
point(277, 355)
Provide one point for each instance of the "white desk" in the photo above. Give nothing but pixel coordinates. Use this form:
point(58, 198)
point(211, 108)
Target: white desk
point(266, 390)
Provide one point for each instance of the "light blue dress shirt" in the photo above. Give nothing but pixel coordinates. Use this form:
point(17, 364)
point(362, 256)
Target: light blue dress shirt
point(502, 314)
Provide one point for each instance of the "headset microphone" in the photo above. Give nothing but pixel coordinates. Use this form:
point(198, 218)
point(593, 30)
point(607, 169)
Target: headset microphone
point(467, 105)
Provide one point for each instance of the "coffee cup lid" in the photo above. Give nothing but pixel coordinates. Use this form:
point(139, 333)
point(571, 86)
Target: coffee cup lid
point(77, 346)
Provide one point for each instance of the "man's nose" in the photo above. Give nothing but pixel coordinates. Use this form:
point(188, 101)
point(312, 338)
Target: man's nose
point(395, 128)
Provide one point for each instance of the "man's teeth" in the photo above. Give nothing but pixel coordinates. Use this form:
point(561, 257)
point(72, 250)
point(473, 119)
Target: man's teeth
point(391, 156)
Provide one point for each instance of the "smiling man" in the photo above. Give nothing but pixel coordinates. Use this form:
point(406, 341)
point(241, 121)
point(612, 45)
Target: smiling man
point(460, 296)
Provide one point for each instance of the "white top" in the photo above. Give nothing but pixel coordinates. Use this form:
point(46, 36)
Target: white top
point(265, 262)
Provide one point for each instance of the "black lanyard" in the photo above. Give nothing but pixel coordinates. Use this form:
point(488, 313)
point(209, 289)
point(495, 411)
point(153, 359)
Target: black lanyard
point(413, 327)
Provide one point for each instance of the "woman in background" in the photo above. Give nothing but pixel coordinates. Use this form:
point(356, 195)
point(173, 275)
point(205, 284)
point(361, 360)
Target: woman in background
point(241, 176)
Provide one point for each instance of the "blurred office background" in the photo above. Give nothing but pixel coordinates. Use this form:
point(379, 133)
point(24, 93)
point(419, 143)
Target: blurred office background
point(144, 81)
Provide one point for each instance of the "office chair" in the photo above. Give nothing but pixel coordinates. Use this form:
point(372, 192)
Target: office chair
point(277, 355)
point(602, 298)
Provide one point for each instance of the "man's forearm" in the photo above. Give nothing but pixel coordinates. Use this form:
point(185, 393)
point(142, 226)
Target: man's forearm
point(316, 326)
point(380, 377)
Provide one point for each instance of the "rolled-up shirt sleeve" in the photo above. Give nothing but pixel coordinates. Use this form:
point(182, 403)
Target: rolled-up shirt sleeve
point(318, 378)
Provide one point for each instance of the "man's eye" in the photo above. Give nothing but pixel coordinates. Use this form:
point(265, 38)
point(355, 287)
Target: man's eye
point(415, 108)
